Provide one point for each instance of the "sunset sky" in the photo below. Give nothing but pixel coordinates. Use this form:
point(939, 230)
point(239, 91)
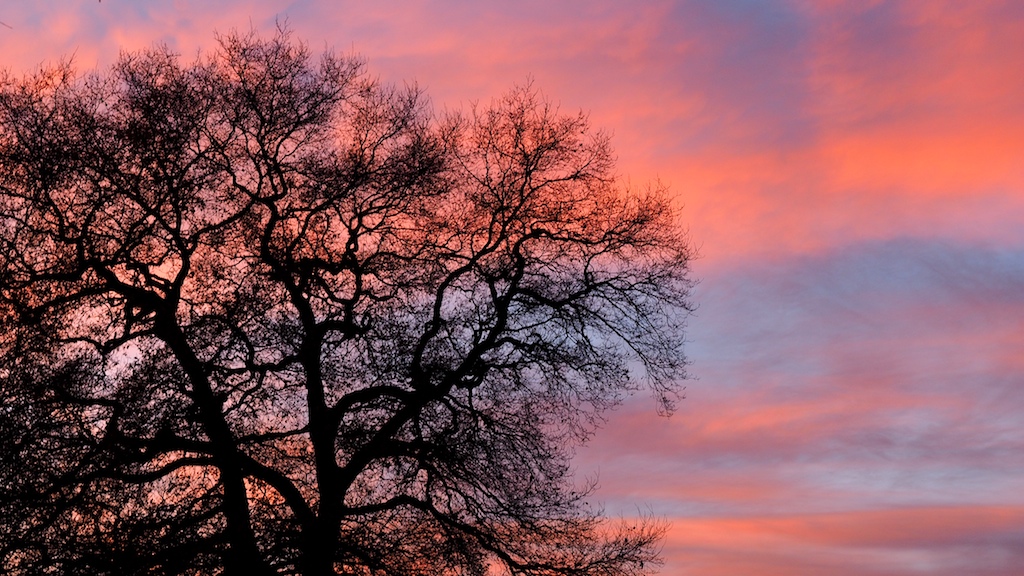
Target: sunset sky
point(852, 173)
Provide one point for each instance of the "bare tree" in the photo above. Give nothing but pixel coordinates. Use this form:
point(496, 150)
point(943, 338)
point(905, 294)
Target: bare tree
point(264, 315)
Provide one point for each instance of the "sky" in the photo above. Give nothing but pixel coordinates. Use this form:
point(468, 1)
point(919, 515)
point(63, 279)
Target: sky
point(852, 174)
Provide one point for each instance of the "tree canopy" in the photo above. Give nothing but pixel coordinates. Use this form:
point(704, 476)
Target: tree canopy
point(263, 314)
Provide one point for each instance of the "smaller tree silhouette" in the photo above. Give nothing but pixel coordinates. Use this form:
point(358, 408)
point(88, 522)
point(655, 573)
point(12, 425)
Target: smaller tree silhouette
point(260, 314)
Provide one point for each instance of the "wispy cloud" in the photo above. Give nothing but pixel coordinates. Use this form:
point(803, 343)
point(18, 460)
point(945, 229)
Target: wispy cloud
point(895, 542)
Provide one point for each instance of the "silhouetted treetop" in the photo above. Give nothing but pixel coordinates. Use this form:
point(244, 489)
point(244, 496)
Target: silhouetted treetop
point(262, 314)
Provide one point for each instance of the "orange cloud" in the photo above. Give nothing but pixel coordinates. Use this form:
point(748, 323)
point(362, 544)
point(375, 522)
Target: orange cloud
point(892, 542)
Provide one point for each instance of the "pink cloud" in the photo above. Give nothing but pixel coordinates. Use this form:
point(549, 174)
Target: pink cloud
point(947, 541)
point(763, 120)
point(943, 540)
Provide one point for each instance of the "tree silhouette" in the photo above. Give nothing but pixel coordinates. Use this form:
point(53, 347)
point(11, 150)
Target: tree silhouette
point(264, 315)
